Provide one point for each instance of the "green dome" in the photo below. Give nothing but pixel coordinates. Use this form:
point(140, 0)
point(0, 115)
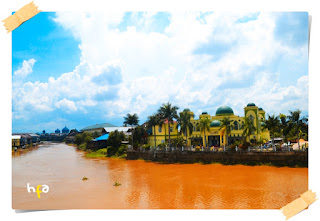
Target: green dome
point(224, 110)
point(215, 123)
point(251, 105)
point(260, 108)
point(204, 112)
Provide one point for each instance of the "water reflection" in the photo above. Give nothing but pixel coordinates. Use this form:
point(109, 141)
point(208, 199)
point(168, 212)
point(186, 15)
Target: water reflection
point(147, 184)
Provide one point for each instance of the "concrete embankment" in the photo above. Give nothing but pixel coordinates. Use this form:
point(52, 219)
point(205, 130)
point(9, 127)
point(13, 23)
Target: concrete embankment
point(248, 158)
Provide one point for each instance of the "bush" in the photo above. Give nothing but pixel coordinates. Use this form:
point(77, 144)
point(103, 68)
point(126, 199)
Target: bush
point(162, 146)
point(146, 146)
point(103, 151)
point(82, 146)
point(122, 150)
point(244, 145)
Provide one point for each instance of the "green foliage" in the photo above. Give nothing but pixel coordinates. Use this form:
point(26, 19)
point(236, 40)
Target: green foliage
point(146, 146)
point(131, 119)
point(114, 140)
point(184, 122)
point(226, 124)
point(82, 146)
point(139, 136)
point(244, 145)
point(179, 142)
point(168, 112)
point(248, 127)
point(204, 126)
point(116, 183)
point(82, 138)
point(162, 146)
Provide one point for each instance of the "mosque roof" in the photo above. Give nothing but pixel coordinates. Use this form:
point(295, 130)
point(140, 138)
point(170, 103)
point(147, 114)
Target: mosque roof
point(215, 123)
point(224, 110)
point(251, 105)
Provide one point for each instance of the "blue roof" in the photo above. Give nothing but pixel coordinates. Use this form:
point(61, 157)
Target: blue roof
point(103, 137)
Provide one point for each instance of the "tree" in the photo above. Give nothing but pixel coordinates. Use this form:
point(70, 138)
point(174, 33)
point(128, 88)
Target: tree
point(273, 125)
point(152, 122)
point(204, 125)
point(184, 122)
point(297, 123)
point(248, 127)
point(131, 120)
point(226, 124)
point(168, 112)
point(115, 140)
point(139, 135)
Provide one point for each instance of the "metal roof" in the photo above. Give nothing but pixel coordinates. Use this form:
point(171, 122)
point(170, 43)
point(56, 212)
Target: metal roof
point(16, 137)
point(97, 126)
point(103, 137)
point(123, 129)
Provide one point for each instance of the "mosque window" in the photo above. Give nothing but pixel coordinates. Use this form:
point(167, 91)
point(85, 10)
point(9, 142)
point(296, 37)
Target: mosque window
point(171, 129)
point(236, 125)
point(251, 118)
point(160, 129)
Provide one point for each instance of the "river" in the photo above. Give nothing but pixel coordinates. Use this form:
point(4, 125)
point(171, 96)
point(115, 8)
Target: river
point(147, 185)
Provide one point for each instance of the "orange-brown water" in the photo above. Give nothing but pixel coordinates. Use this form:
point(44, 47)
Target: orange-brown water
point(147, 184)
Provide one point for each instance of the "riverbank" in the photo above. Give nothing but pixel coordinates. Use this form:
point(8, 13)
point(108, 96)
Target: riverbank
point(290, 159)
point(147, 185)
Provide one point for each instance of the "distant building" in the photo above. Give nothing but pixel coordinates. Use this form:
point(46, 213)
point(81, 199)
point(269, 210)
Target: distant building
point(15, 140)
point(97, 128)
point(57, 131)
point(65, 130)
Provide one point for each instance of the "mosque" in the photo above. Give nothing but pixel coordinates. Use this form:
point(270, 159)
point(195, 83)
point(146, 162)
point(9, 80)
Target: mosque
point(217, 136)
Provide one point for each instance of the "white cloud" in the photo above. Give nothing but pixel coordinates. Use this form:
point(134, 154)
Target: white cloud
point(151, 68)
point(25, 69)
point(66, 104)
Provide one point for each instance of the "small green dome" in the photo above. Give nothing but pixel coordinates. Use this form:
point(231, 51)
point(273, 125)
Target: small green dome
point(224, 110)
point(215, 123)
point(204, 112)
point(251, 105)
point(186, 109)
point(260, 108)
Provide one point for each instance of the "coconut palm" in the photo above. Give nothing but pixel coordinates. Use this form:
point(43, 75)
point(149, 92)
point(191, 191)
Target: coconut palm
point(297, 123)
point(273, 125)
point(248, 127)
point(204, 125)
point(184, 122)
point(168, 112)
point(131, 120)
point(226, 124)
point(153, 121)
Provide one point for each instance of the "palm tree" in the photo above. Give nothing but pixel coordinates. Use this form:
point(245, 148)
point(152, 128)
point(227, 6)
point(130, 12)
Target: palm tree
point(131, 120)
point(153, 121)
point(168, 112)
point(184, 122)
point(273, 125)
point(248, 127)
point(204, 125)
point(297, 123)
point(226, 123)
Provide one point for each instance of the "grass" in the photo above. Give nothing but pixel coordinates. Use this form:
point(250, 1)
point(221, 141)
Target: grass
point(95, 155)
point(116, 183)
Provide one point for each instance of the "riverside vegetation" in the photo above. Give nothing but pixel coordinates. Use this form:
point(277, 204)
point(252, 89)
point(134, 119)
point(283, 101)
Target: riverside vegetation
point(114, 149)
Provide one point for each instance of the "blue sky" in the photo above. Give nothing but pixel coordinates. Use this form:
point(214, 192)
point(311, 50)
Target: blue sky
point(79, 69)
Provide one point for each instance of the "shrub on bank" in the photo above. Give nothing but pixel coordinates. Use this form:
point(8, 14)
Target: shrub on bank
point(82, 146)
point(146, 146)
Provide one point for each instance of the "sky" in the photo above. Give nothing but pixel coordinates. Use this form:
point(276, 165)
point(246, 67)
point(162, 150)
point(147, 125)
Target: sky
point(79, 69)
